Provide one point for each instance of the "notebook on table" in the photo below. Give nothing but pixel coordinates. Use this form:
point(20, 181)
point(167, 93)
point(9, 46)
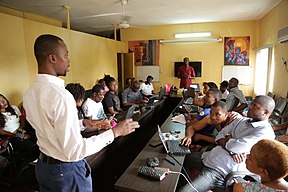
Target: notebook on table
point(173, 146)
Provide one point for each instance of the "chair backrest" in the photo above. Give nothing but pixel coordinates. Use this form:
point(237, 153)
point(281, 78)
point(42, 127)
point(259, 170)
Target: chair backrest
point(6, 148)
point(280, 105)
point(230, 178)
point(270, 94)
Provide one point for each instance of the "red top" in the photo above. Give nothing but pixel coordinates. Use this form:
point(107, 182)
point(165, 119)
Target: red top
point(185, 73)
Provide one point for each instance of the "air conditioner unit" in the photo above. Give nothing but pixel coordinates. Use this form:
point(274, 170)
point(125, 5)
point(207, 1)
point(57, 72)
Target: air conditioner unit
point(283, 35)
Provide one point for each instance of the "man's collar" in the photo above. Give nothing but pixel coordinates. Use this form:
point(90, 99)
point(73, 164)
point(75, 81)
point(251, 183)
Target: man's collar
point(256, 123)
point(50, 78)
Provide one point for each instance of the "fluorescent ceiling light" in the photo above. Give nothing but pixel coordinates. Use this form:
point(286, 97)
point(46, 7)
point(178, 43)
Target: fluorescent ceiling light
point(219, 39)
point(196, 34)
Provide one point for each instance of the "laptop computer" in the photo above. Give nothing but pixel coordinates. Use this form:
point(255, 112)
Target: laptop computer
point(195, 86)
point(190, 93)
point(130, 111)
point(172, 146)
point(150, 101)
point(161, 94)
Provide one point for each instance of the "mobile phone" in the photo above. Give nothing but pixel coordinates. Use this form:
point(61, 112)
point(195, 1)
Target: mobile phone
point(112, 117)
point(155, 143)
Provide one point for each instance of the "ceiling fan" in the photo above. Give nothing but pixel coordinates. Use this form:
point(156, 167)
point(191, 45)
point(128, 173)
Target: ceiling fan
point(124, 19)
point(124, 23)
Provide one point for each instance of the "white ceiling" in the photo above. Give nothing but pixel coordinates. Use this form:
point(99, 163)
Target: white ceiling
point(86, 14)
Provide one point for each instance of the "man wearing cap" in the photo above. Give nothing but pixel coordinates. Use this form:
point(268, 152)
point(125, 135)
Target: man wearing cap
point(147, 88)
point(186, 73)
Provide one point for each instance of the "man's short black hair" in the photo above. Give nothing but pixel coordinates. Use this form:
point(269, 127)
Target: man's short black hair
point(221, 104)
point(234, 79)
point(97, 88)
point(149, 77)
point(216, 93)
point(212, 85)
point(224, 84)
point(76, 90)
point(45, 45)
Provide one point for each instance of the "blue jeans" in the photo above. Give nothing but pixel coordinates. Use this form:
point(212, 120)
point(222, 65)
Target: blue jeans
point(207, 179)
point(74, 176)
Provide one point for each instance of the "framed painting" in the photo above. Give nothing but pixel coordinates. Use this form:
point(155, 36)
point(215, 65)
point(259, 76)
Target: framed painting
point(236, 51)
point(146, 52)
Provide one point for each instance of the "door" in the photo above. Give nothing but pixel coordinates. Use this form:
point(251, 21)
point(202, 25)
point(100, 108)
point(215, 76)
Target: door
point(125, 63)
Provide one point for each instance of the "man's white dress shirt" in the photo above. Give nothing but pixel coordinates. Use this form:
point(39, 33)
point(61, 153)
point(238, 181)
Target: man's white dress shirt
point(52, 112)
point(244, 135)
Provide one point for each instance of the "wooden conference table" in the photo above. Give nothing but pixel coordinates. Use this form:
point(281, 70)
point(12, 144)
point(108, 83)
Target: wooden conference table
point(110, 163)
point(130, 181)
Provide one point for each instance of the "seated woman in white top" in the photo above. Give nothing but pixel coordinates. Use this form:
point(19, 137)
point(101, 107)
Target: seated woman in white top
point(147, 88)
point(13, 124)
point(10, 118)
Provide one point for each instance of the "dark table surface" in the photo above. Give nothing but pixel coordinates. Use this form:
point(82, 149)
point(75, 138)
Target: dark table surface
point(110, 163)
point(130, 181)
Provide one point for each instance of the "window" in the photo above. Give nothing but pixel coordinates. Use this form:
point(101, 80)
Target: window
point(261, 71)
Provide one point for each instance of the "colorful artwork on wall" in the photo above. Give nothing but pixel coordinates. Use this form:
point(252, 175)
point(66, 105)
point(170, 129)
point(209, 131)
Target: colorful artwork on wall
point(236, 51)
point(146, 52)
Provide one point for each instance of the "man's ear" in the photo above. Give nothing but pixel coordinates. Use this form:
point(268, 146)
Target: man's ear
point(266, 112)
point(52, 58)
point(94, 94)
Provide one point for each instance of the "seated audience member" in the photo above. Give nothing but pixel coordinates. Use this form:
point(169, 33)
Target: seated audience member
point(86, 125)
point(281, 131)
point(128, 82)
point(10, 118)
point(103, 84)
point(232, 142)
point(78, 93)
point(235, 100)
point(111, 101)
point(269, 160)
point(147, 88)
point(223, 88)
point(92, 107)
point(211, 97)
point(219, 118)
point(132, 95)
point(13, 124)
point(206, 87)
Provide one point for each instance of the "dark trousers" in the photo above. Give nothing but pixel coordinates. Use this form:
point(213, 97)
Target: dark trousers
point(74, 176)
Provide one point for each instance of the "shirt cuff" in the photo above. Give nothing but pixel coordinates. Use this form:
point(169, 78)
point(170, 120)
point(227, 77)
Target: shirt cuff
point(82, 127)
point(109, 135)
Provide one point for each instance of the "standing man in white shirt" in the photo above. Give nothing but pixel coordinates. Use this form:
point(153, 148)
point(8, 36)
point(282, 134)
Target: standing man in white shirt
point(52, 113)
point(147, 88)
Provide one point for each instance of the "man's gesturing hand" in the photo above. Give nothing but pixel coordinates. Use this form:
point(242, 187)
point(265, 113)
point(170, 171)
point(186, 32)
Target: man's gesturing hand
point(125, 127)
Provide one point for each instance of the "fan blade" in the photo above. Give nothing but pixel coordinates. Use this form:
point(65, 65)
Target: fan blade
point(102, 26)
point(138, 26)
point(99, 15)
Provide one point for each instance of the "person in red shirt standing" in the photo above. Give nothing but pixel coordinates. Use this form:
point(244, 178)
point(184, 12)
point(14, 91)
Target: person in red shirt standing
point(186, 73)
